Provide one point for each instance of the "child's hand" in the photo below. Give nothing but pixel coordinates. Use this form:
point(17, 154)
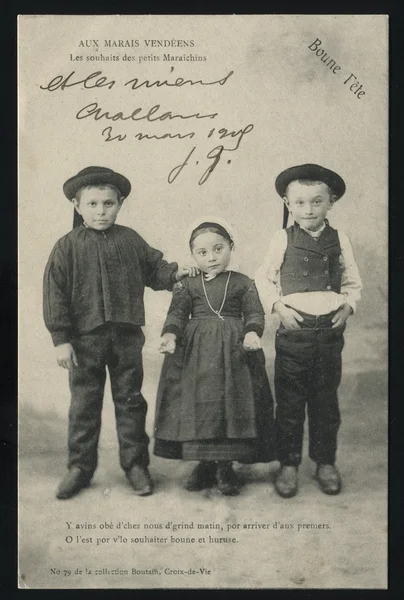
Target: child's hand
point(251, 342)
point(168, 343)
point(66, 356)
point(289, 317)
point(186, 270)
point(341, 316)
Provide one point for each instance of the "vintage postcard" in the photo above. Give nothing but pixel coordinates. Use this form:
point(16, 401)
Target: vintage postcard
point(166, 163)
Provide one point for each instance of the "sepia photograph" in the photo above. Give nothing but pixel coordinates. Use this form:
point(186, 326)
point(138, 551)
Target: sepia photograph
point(202, 301)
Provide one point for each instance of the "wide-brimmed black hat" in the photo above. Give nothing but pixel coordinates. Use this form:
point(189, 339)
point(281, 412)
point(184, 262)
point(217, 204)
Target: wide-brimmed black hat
point(95, 176)
point(309, 172)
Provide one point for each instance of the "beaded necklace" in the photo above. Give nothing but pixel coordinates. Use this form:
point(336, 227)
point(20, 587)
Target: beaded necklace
point(217, 312)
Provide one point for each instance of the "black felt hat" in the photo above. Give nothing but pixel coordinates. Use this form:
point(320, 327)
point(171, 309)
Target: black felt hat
point(309, 172)
point(94, 176)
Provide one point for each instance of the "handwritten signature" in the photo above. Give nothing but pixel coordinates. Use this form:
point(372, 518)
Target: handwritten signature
point(215, 154)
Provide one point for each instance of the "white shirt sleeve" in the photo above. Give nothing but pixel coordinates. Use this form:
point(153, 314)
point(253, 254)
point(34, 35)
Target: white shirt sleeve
point(267, 274)
point(351, 283)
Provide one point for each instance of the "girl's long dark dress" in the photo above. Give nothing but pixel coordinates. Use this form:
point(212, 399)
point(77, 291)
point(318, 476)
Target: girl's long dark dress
point(214, 401)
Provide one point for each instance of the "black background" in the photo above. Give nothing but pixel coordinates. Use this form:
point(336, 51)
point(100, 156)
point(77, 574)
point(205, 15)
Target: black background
point(8, 269)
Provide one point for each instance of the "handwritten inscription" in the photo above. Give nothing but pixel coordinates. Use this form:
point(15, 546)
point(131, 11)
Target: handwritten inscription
point(118, 121)
point(351, 81)
point(93, 110)
point(93, 81)
point(179, 82)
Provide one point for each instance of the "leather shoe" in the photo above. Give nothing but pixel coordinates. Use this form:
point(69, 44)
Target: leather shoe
point(140, 480)
point(286, 481)
point(74, 480)
point(227, 480)
point(329, 479)
point(203, 476)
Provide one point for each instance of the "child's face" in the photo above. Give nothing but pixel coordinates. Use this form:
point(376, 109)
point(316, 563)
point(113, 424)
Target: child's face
point(308, 204)
point(211, 252)
point(98, 207)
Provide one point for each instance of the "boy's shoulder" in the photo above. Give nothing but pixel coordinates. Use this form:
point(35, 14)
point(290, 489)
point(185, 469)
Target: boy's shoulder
point(338, 230)
point(67, 239)
point(333, 228)
point(82, 232)
point(342, 236)
point(125, 231)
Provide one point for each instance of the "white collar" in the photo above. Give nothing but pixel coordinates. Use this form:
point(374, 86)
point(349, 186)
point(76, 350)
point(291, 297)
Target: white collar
point(317, 233)
point(210, 276)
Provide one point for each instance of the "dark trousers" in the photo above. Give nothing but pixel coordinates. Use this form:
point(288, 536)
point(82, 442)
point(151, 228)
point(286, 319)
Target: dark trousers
point(118, 347)
point(308, 372)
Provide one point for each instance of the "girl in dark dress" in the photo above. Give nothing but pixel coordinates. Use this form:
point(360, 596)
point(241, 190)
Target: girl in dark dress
point(214, 403)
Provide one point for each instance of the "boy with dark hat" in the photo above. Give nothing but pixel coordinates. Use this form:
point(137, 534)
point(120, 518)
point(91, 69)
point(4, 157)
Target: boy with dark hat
point(310, 279)
point(93, 307)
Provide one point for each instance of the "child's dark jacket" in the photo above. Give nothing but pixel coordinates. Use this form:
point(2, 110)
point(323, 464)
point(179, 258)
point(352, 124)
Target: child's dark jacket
point(93, 277)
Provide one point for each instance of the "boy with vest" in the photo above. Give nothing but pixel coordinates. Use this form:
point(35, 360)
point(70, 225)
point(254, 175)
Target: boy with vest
point(93, 308)
point(311, 280)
